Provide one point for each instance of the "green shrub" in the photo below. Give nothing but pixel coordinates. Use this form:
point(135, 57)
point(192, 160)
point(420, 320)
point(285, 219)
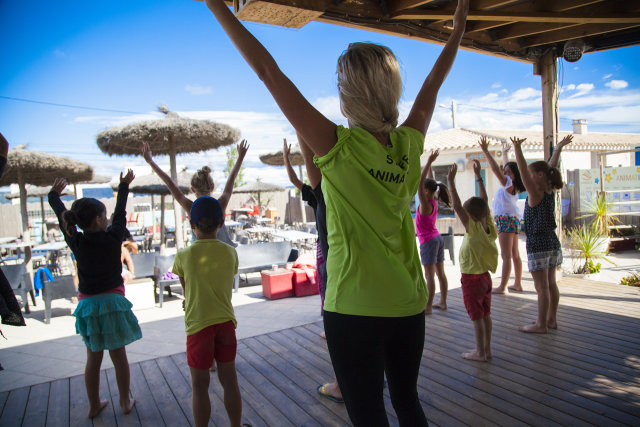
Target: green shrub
point(631, 280)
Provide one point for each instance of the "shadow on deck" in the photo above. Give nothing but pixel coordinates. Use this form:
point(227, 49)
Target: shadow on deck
point(586, 372)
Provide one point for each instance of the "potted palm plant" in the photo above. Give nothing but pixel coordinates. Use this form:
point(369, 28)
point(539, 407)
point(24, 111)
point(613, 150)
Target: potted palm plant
point(589, 247)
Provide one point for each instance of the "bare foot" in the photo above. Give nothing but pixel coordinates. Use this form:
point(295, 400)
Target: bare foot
point(127, 406)
point(474, 355)
point(533, 328)
point(515, 288)
point(93, 412)
point(500, 291)
point(323, 335)
point(440, 306)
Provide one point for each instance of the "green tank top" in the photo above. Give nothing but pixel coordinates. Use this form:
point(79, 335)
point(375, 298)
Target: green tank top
point(373, 266)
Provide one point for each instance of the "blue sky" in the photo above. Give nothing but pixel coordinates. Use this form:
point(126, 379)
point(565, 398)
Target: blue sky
point(131, 56)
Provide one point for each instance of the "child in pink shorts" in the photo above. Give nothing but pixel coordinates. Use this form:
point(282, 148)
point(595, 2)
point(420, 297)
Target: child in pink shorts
point(478, 256)
point(206, 270)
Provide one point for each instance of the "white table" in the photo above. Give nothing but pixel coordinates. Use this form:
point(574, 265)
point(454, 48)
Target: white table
point(260, 232)
point(293, 235)
point(51, 246)
point(4, 240)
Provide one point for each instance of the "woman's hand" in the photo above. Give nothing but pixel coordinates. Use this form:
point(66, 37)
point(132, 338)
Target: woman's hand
point(286, 150)
point(565, 141)
point(433, 156)
point(146, 152)
point(58, 185)
point(477, 169)
point(451, 174)
point(243, 147)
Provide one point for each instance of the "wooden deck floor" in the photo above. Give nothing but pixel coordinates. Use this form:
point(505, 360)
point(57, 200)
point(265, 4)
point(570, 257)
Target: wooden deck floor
point(585, 373)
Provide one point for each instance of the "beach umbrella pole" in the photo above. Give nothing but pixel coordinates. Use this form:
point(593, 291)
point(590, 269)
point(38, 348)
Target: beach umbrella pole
point(177, 209)
point(43, 226)
point(162, 233)
point(26, 236)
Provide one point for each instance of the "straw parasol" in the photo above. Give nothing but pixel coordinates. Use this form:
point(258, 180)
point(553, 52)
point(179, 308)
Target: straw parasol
point(32, 167)
point(296, 159)
point(153, 185)
point(258, 187)
point(41, 192)
point(171, 135)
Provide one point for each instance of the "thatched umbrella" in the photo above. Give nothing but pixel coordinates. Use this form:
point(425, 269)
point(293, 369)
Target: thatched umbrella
point(32, 167)
point(258, 187)
point(153, 185)
point(295, 159)
point(41, 192)
point(171, 135)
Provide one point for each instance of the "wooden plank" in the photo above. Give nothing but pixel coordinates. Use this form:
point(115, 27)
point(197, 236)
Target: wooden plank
point(79, 404)
point(148, 412)
point(295, 383)
point(527, 29)
point(218, 413)
point(107, 416)
point(58, 406)
point(170, 410)
point(180, 387)
point(499, 15)
point(397, 5)
point(129, 420)
point(36, 411)
point(291, 410)
point(580, 31)
point(15, 406)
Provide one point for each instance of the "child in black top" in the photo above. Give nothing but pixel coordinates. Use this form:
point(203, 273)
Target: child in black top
point(103, 317)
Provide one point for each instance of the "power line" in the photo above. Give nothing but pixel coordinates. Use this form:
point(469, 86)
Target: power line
point(79, 107)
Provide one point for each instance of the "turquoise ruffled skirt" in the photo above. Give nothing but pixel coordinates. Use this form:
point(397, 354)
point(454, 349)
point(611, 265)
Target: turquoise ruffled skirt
point(106, 322)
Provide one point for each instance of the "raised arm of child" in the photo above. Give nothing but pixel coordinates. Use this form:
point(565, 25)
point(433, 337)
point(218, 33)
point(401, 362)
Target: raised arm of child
point(58, 207)
point(425, 207)
point(535, 194)
point(119, 223)
point(484, 146)
point(177, 194)
point(555, 157)
point(313, 172)
point(317, 130)
point(457, 204)
point(286, 151)
point(477, 171)
point(243, 147)
point(420, 115)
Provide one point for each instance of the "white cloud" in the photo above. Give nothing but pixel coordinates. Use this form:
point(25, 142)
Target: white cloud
point(196, 89)
point(617, 84)
point(496, 85)
point(59, 53)
point(583, 89)
point(607, 76)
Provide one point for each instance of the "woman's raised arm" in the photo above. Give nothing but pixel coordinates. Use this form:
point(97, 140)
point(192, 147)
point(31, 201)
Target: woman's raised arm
point(315, 128)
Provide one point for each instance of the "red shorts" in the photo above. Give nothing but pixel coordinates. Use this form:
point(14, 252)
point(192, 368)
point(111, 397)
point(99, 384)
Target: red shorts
point(215, 341)
point(476, 292)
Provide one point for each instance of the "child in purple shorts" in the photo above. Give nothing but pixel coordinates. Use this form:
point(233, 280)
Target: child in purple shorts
point(431, 242)
point(478, 256)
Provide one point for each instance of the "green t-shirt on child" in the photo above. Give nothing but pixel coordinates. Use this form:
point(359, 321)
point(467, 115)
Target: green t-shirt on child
point(479, 253)
point(373, 265)
point(208, 267)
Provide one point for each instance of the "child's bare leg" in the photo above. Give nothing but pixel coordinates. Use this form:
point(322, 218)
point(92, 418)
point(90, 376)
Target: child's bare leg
point(517, 265)
point(121, 366)
point(504, 240)
point(541, 282)
point(429, 273)
point(478, 353)
point(92, 382)
point(554, 300)
point(232, 397)
point(444, 286)
point(488, 327)
point(200, 396)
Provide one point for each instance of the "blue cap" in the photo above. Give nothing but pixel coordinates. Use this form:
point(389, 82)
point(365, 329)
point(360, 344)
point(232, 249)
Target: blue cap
point(206, 207)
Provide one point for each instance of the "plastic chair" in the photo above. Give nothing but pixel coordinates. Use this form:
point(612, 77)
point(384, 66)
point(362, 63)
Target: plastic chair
point(163, 263)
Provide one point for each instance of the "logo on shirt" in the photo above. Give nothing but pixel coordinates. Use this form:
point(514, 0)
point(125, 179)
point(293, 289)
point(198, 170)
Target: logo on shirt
point(389, 176)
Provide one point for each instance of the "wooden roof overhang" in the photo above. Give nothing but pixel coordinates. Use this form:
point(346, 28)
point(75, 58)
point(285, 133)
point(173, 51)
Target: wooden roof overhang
point(523, 30)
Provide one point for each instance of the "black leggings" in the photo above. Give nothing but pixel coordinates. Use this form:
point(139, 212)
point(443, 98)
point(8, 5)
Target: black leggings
point(362, 350)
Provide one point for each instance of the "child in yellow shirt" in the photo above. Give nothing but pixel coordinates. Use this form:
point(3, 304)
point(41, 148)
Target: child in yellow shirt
point(478, 256)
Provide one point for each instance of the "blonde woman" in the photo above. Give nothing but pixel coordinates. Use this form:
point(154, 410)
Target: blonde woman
point(376, 293)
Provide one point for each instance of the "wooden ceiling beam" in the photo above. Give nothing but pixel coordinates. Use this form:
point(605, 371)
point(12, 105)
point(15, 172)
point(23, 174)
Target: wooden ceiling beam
point(398, 5)
point(490, 4)
point(564, 5)
point(581, 31)
point(548, 17)
point(527, 29)
point(477, 26)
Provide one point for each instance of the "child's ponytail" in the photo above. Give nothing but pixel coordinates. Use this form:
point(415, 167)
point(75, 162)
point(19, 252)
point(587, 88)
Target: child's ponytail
point(443, 194)
point(69, 222)
point(555, 178)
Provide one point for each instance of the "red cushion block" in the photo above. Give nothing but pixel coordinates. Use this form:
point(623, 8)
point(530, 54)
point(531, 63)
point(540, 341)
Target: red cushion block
point(302, 286)
point(277, 283)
